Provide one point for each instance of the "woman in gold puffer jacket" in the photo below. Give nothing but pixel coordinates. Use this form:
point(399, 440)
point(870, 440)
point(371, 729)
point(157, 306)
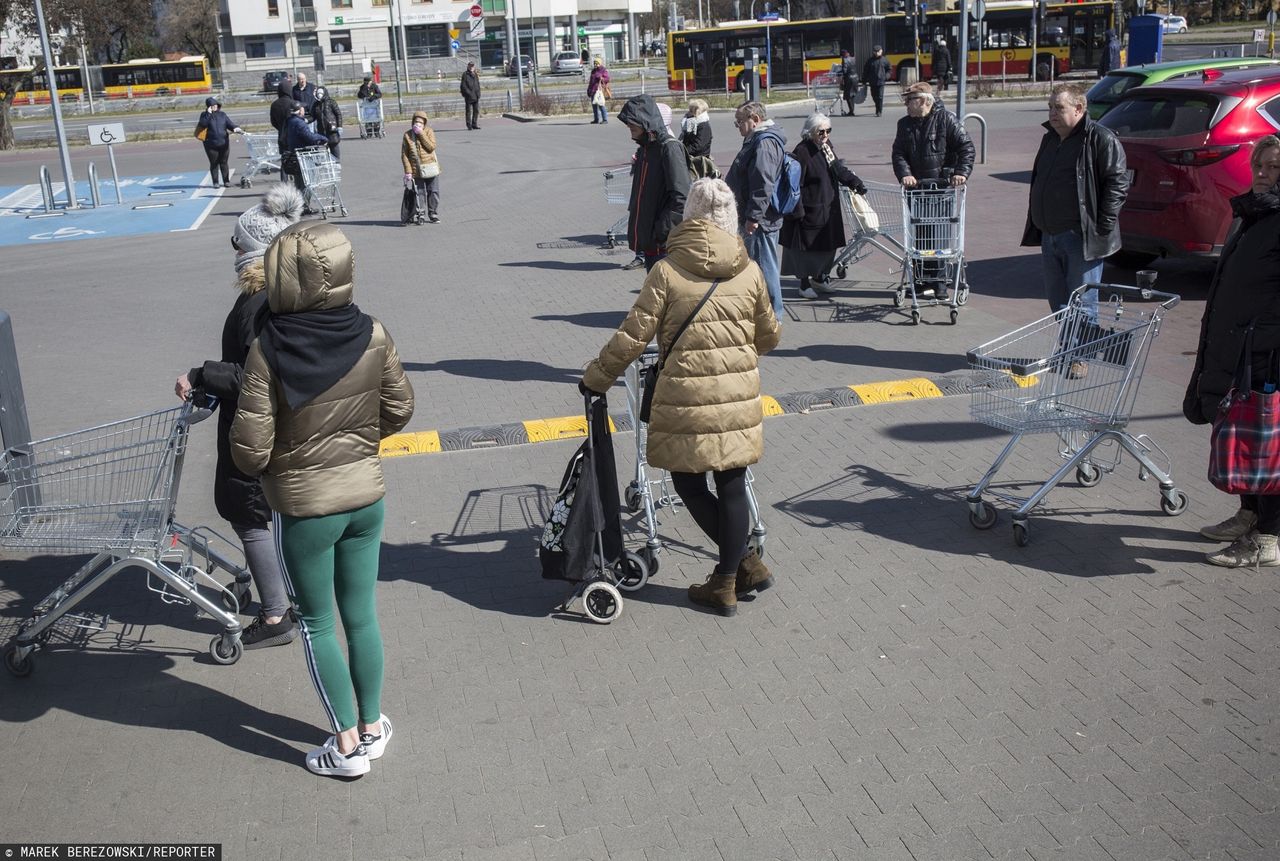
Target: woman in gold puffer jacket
point(323, 384)
point(707, 415)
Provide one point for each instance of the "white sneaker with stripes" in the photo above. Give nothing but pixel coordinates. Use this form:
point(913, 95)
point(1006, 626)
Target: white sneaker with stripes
point(377, 744)
point(328, 761)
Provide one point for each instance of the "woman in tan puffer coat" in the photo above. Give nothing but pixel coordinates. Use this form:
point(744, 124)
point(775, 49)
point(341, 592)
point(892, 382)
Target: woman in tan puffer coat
point(323, 384)
point(418, 152)
point(707, 415)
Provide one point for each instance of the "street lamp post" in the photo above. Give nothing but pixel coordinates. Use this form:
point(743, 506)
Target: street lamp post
point(59, 130)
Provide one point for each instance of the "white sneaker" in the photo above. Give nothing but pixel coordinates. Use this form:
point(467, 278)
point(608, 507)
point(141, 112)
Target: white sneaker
point(823, 285)
point(1251, 550)
point(808, 293)
point(377, 744)
point(328, 761)
point(1231, 528)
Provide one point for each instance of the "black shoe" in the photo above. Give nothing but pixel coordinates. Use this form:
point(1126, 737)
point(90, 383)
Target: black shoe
point(260, 634)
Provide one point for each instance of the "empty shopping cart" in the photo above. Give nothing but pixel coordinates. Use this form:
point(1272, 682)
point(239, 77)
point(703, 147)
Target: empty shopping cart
point(617, 188)
point(933, 223)
point(369, 116)
point(264, 155)
point(322, 178)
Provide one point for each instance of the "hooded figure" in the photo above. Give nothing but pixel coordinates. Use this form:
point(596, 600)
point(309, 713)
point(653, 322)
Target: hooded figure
point(1110, 60)
point(328, 117)
point(281, 109)
point(659, 178)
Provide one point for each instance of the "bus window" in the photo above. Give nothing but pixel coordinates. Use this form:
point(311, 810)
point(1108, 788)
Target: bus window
point(1007, 35)
point(1056, 33)
point(821, 45)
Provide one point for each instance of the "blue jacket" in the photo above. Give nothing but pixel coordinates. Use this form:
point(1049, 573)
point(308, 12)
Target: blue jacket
point(753, 177)
point(298, 134)
point(218, 128)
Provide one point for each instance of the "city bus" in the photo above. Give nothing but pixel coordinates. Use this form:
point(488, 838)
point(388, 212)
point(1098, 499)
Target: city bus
point(114, 80)
point(1071, 36)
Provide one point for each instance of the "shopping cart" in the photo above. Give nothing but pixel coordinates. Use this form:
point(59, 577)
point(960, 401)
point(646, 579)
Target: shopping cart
point(264, 155)
point(321, 176)
point(933, 221)
point(617, 189)
point(883, 232)
point(111, 491)
point(827, 95)
point(369, 115)
point(1077, 377)
point(649, 495)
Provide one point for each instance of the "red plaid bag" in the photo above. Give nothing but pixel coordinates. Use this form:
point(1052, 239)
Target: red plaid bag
point(1244, 448)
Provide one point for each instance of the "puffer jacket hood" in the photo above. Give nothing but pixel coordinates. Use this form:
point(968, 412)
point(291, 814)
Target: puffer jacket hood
point(702, 249)
point(642, 111)
point(284, 89)
point(309, 267)
point(420, 115)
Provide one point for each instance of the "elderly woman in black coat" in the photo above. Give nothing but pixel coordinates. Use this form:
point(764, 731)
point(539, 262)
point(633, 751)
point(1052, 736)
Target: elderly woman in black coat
point(814, 231)
point(1245, 292)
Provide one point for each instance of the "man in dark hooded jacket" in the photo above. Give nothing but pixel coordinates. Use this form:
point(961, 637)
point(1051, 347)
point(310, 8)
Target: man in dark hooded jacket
point(1110, 60)
point(659, 179)
point(280, 111)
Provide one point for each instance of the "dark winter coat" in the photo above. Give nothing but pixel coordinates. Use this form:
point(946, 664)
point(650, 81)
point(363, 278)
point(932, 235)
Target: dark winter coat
point(281, 110)
point(1245, 289)
point(218, 128)
point(941, 61)
point(934, 146)
point(306, 95)
point(470, 87)
point(1101, 186)
point(1110, 59)
point(817, 223)
point(371, 90)
point(848, 74)
point(876, 71)
point(328, 115)
point(297, 134)
point(753, 176)
point(659, 178)
point(238, 497)
point(697, 142)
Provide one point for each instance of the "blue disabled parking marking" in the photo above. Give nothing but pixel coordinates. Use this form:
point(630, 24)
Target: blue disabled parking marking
point(160, 203)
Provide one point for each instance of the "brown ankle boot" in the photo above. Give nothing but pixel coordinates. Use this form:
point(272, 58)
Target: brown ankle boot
point(753, 574)
point(717, 593)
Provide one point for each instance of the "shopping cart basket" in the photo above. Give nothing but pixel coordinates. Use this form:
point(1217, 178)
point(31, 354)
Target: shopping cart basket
point(884, 232)
point(264, 155)
point(646, 494)
point(617, 189)
point(1077, 377)
point(933, 221)
point(111, 491)
point(369, 115)
point(321, 177)
point(828, 98)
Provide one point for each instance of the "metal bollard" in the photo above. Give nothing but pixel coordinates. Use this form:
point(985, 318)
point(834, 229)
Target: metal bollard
point(509, 102)
point(46, 188)
point(93, 186)
point(982, 141)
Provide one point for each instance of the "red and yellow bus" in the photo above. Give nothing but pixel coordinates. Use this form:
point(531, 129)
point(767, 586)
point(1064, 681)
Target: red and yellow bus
point(133, 79)
point(1070, 36)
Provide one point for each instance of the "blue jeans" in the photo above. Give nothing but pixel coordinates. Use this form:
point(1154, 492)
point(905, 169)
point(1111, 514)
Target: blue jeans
point(1065, 269)
point(599, 114)
point(762, 247)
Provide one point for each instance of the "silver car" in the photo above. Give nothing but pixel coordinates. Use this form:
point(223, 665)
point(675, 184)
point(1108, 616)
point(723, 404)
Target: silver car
point(566, 63)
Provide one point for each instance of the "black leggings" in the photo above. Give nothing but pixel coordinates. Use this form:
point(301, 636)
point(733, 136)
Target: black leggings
point(218, 160)
point(724, 515)
point(1268, 510)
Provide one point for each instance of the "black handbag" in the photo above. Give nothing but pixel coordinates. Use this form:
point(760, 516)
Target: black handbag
point(651, 373)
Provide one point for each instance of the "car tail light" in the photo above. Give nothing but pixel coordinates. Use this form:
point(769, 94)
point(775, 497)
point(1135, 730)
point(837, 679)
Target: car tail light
point(1210, 75)
point(1198, 156)
point(1197, 247)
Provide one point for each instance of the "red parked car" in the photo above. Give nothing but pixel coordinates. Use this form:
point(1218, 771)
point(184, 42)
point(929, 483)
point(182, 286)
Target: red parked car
point(1187, 144)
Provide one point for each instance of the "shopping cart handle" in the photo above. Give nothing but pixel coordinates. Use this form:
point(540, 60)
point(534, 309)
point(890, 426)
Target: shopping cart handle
point(1146, 294)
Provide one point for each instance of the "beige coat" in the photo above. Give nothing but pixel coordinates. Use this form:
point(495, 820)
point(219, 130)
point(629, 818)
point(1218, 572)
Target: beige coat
point(706, 409)
point(424, 144)
point(321, 458)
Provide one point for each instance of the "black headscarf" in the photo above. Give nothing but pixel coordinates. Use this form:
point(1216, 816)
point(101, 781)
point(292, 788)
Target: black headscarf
point(311, 350)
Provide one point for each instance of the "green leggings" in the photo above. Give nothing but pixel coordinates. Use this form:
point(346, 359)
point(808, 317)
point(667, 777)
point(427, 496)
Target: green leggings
point(337, 556)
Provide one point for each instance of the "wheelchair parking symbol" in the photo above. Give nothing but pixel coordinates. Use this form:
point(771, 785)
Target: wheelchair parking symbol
point(65, 233)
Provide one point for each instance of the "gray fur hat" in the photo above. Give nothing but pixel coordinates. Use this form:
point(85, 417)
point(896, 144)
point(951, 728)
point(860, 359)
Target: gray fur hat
point(281, 206)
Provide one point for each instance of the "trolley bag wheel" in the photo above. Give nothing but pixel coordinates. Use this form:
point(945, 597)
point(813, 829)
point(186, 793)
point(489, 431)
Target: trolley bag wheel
point(1088, 475)
point(1173, 502)
point(225, 654)
point(631, 498)
point(238, 596)
point(1020, 535)
point(602, 602)
point(841, 271)
point(982, 514)
point(18, 667)
point(633, 572)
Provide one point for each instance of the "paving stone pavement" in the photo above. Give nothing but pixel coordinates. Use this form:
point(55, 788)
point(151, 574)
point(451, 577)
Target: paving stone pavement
point(912, 689)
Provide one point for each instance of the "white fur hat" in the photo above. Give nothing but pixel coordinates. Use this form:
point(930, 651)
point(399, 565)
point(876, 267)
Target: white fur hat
point(281, 206)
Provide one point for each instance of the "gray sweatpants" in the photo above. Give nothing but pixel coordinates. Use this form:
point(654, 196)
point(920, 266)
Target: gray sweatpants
point(264, 564)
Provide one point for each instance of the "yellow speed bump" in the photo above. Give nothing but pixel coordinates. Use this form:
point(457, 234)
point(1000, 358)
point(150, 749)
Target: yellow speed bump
point(1023, 382)
point(398, 445)
point(897, 390)
point(771, 406)
point(567, 427)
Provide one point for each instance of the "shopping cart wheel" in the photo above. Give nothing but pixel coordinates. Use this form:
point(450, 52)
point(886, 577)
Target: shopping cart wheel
point(602, 602)
point(841, 271)
point(1173, 502)
point(915, 317)
point(631, 498)
point(1020, 535)
point(1088, 475)
point(238, 597)
point(19, 667)
point(982, 514)
point(955, 315)
point(898, 296)
point(225, 650)
point(343, 210)
point(633, 572)
point(962, 295)
point(245, 182)
point(650, 556)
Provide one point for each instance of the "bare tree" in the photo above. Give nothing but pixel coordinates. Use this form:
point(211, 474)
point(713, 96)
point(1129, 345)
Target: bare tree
point(190, 26)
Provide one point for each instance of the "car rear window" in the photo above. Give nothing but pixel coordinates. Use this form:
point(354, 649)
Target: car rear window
point(1162, 116)
point(1113, 86)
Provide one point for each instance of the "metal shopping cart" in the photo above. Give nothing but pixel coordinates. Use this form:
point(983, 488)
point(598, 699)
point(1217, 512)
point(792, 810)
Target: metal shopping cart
point(617, 188)
point(880, 229)
point(264, 155)
point(111, 491)
point(321, 176)
point(1078, 377)
point(828, 98)
point(369, 116)
point(647, 495)
point(933, 221)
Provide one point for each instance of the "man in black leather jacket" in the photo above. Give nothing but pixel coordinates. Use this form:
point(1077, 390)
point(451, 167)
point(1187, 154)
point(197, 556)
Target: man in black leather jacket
point(1078, 185)
point(930, 143)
